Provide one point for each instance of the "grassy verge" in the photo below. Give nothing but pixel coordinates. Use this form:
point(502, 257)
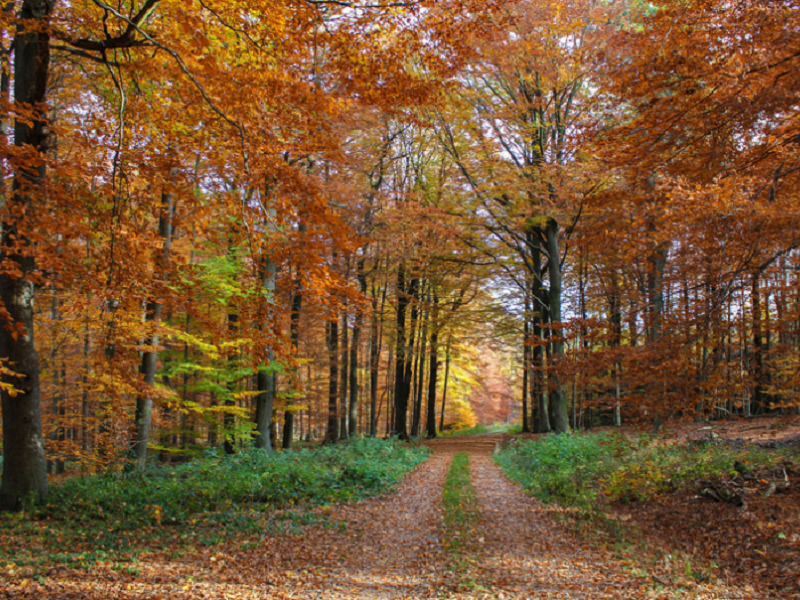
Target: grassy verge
point(584, 471)
point(114, 517)
point(461, 518)
point(589, 473)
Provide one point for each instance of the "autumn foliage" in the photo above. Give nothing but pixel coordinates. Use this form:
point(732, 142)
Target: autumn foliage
point(260, 222)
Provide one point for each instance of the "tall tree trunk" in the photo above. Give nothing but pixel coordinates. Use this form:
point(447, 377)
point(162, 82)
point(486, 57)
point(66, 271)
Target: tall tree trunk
point(446, 379)
point(229, 419)
point(430, 425)
point(559, 414)
point(24, 465)
point(265, 377)
point(420, 360)
point(144, 401)
point(413, 292)
point(374, 363)
point(616, 339)
point(294, 335)
point(655, 287)
point(332, 433)
point(526, 349)
point(539, 294)
point(344, 377)
point(756, 406)
point(399, 425)
point(357, 325)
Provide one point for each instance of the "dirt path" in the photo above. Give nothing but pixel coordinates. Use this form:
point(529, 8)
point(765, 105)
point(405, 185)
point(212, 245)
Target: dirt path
point(387, 548)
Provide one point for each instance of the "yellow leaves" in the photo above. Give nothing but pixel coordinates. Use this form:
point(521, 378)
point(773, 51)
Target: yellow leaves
point(212, 351)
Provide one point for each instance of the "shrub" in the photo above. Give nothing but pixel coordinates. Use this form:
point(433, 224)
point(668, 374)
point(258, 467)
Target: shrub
point(346, 471)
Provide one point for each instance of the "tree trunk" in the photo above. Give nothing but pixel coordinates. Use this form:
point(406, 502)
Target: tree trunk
point(559, 414)
point(538, 294)
point(294, 334)
point(434, 369)
point(399, 426)
point(374, 365)
point(756, 405)
point(144, 402)
point(24, 465)
point(422, 347)
point(265, 377)
point(525, 361)
point(332, 433)
point(446, 379)
point(357, 325)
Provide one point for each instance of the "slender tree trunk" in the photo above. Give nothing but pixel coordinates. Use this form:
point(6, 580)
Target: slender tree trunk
point(357, 325)
point(144, 402)
point(294, 334)
point(758, 356)
point(413, 292)
point(344, 377)
point(616, 340)
point(526, 349)
point(24, 465)
point(420, 360)
point(374, 364)
point(229, 419)
point(332, 433)
point(434, 369)
point(265, 377)
point(446, 379)
point(399, 426)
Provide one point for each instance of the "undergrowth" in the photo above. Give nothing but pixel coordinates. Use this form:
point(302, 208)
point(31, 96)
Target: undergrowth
point(583, 470)
point(115, 516)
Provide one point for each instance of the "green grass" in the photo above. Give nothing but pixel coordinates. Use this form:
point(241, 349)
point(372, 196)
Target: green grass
point(460, 506)
point(582, 470)
point(113, 517)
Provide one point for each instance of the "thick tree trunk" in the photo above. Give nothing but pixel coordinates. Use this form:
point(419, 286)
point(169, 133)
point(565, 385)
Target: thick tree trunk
point(24, 465)
point(559, 414)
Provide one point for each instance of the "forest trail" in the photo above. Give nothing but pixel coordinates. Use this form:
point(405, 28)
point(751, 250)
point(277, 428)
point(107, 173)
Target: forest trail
point(385, 548)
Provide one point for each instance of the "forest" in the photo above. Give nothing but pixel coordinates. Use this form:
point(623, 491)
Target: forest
point(230, 224)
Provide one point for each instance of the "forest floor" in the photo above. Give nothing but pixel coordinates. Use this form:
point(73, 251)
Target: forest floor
point(393, 547)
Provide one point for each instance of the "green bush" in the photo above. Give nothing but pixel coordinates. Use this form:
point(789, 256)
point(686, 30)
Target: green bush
point(346, 471)
point(580, 470)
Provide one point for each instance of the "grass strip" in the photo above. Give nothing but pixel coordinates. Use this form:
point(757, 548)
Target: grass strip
point(461, 515)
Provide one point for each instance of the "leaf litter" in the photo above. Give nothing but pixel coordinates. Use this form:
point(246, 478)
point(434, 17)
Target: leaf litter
point(388, 548)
